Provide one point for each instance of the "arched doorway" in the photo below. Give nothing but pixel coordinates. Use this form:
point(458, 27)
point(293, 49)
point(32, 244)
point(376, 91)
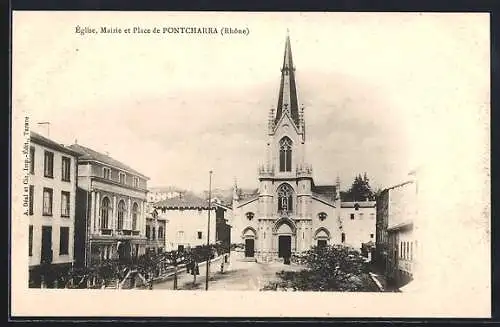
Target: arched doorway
point(322, 237)
point(285, 229)
point(249, 235)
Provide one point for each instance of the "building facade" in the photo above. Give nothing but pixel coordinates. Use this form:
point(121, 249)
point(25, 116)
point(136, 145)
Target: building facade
point(111, 199)
point(359, 225)
point(187, 221)
point(290, 213)
point(156, 228)
point(52, 193)
point(396, 242)
point(402, 258)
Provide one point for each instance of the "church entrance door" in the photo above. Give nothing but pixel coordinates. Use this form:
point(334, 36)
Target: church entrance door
point(321, 243)
point(285, 247)
point(249, 247)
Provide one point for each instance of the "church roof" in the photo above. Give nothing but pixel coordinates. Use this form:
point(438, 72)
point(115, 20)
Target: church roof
point(248, 199)
point(248, 193)
point(88, 154)
point(288, 90)
point(325, 190)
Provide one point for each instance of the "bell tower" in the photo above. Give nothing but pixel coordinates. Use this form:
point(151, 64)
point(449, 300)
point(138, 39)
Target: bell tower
point(285, 177)
point(285, 149)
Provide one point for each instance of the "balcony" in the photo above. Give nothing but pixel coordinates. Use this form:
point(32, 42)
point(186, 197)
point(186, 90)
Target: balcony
point(126, 232)
point(106, 231)
point(304, 170)
point(123, 233)
point(266, 170)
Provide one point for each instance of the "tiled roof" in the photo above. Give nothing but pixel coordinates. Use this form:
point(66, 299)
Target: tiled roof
point(328, 191)
point(362, 204)
point(92, 155)
point(186, 201)
point(42, 140)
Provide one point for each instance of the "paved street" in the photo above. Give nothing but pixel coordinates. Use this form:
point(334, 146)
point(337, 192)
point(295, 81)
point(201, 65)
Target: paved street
point(238, 276)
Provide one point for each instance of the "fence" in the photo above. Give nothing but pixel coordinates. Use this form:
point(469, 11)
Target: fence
point(125, 274)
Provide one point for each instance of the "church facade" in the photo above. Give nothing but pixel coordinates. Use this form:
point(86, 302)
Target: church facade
point(290, 213)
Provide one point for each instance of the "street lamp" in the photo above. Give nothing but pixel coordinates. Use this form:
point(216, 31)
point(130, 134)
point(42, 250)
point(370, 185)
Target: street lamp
point(208, 231)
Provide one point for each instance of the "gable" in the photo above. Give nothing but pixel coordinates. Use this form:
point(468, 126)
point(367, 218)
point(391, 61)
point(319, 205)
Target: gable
point(285, 124)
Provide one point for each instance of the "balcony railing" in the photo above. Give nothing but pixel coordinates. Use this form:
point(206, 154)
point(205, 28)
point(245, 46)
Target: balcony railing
point(121, 232)
point(266, 170)
point(285, 213)
point(304, 170)
point(106, 231)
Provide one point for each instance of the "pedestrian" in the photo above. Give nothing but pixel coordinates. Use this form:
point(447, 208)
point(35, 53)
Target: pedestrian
point(195, 271)
point(222, 267)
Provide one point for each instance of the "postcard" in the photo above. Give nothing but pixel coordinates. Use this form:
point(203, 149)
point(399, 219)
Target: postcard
point(250, 164)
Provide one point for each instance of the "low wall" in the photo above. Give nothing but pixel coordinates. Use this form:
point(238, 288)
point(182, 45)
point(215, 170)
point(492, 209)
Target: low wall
point(171, 274)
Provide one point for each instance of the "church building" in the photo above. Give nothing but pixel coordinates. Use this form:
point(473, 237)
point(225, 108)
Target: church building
point(290, 213)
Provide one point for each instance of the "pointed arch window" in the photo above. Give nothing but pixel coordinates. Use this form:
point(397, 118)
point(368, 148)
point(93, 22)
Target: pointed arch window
point(135, 214)
point(121, 214)
point(285, 154)
point(105, 213)
point(285, 198)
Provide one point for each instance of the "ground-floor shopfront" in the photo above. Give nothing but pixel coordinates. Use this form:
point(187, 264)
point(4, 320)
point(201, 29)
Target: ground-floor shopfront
point(113, 249)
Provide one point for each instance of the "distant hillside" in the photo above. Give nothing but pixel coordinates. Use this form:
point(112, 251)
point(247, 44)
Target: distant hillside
point(166, 189)
point(226, 194)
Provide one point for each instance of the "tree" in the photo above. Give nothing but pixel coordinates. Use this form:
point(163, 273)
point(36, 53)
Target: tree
point(360, 190)
point(332, 268)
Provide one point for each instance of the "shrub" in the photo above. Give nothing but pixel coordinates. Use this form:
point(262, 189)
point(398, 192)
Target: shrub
point(331, 268)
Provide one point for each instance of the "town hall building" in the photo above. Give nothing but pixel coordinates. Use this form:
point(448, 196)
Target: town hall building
point(290, 213)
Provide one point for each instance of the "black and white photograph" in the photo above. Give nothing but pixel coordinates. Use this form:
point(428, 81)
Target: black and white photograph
point(268, 164)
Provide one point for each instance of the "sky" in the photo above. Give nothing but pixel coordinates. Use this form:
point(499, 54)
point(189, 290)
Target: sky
point(383, 93)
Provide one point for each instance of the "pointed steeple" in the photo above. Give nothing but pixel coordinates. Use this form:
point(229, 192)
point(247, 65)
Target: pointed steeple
point(287, 98)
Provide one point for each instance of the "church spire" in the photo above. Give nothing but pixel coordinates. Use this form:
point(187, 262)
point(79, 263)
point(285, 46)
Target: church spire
point(287, 98)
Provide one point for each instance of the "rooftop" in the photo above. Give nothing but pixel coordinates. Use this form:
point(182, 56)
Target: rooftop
point(42, 140)
point(88, 154)
point(184, 201)
point(361, 204)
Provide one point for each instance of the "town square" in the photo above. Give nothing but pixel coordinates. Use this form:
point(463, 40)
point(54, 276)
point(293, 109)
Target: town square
point(116, 232)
